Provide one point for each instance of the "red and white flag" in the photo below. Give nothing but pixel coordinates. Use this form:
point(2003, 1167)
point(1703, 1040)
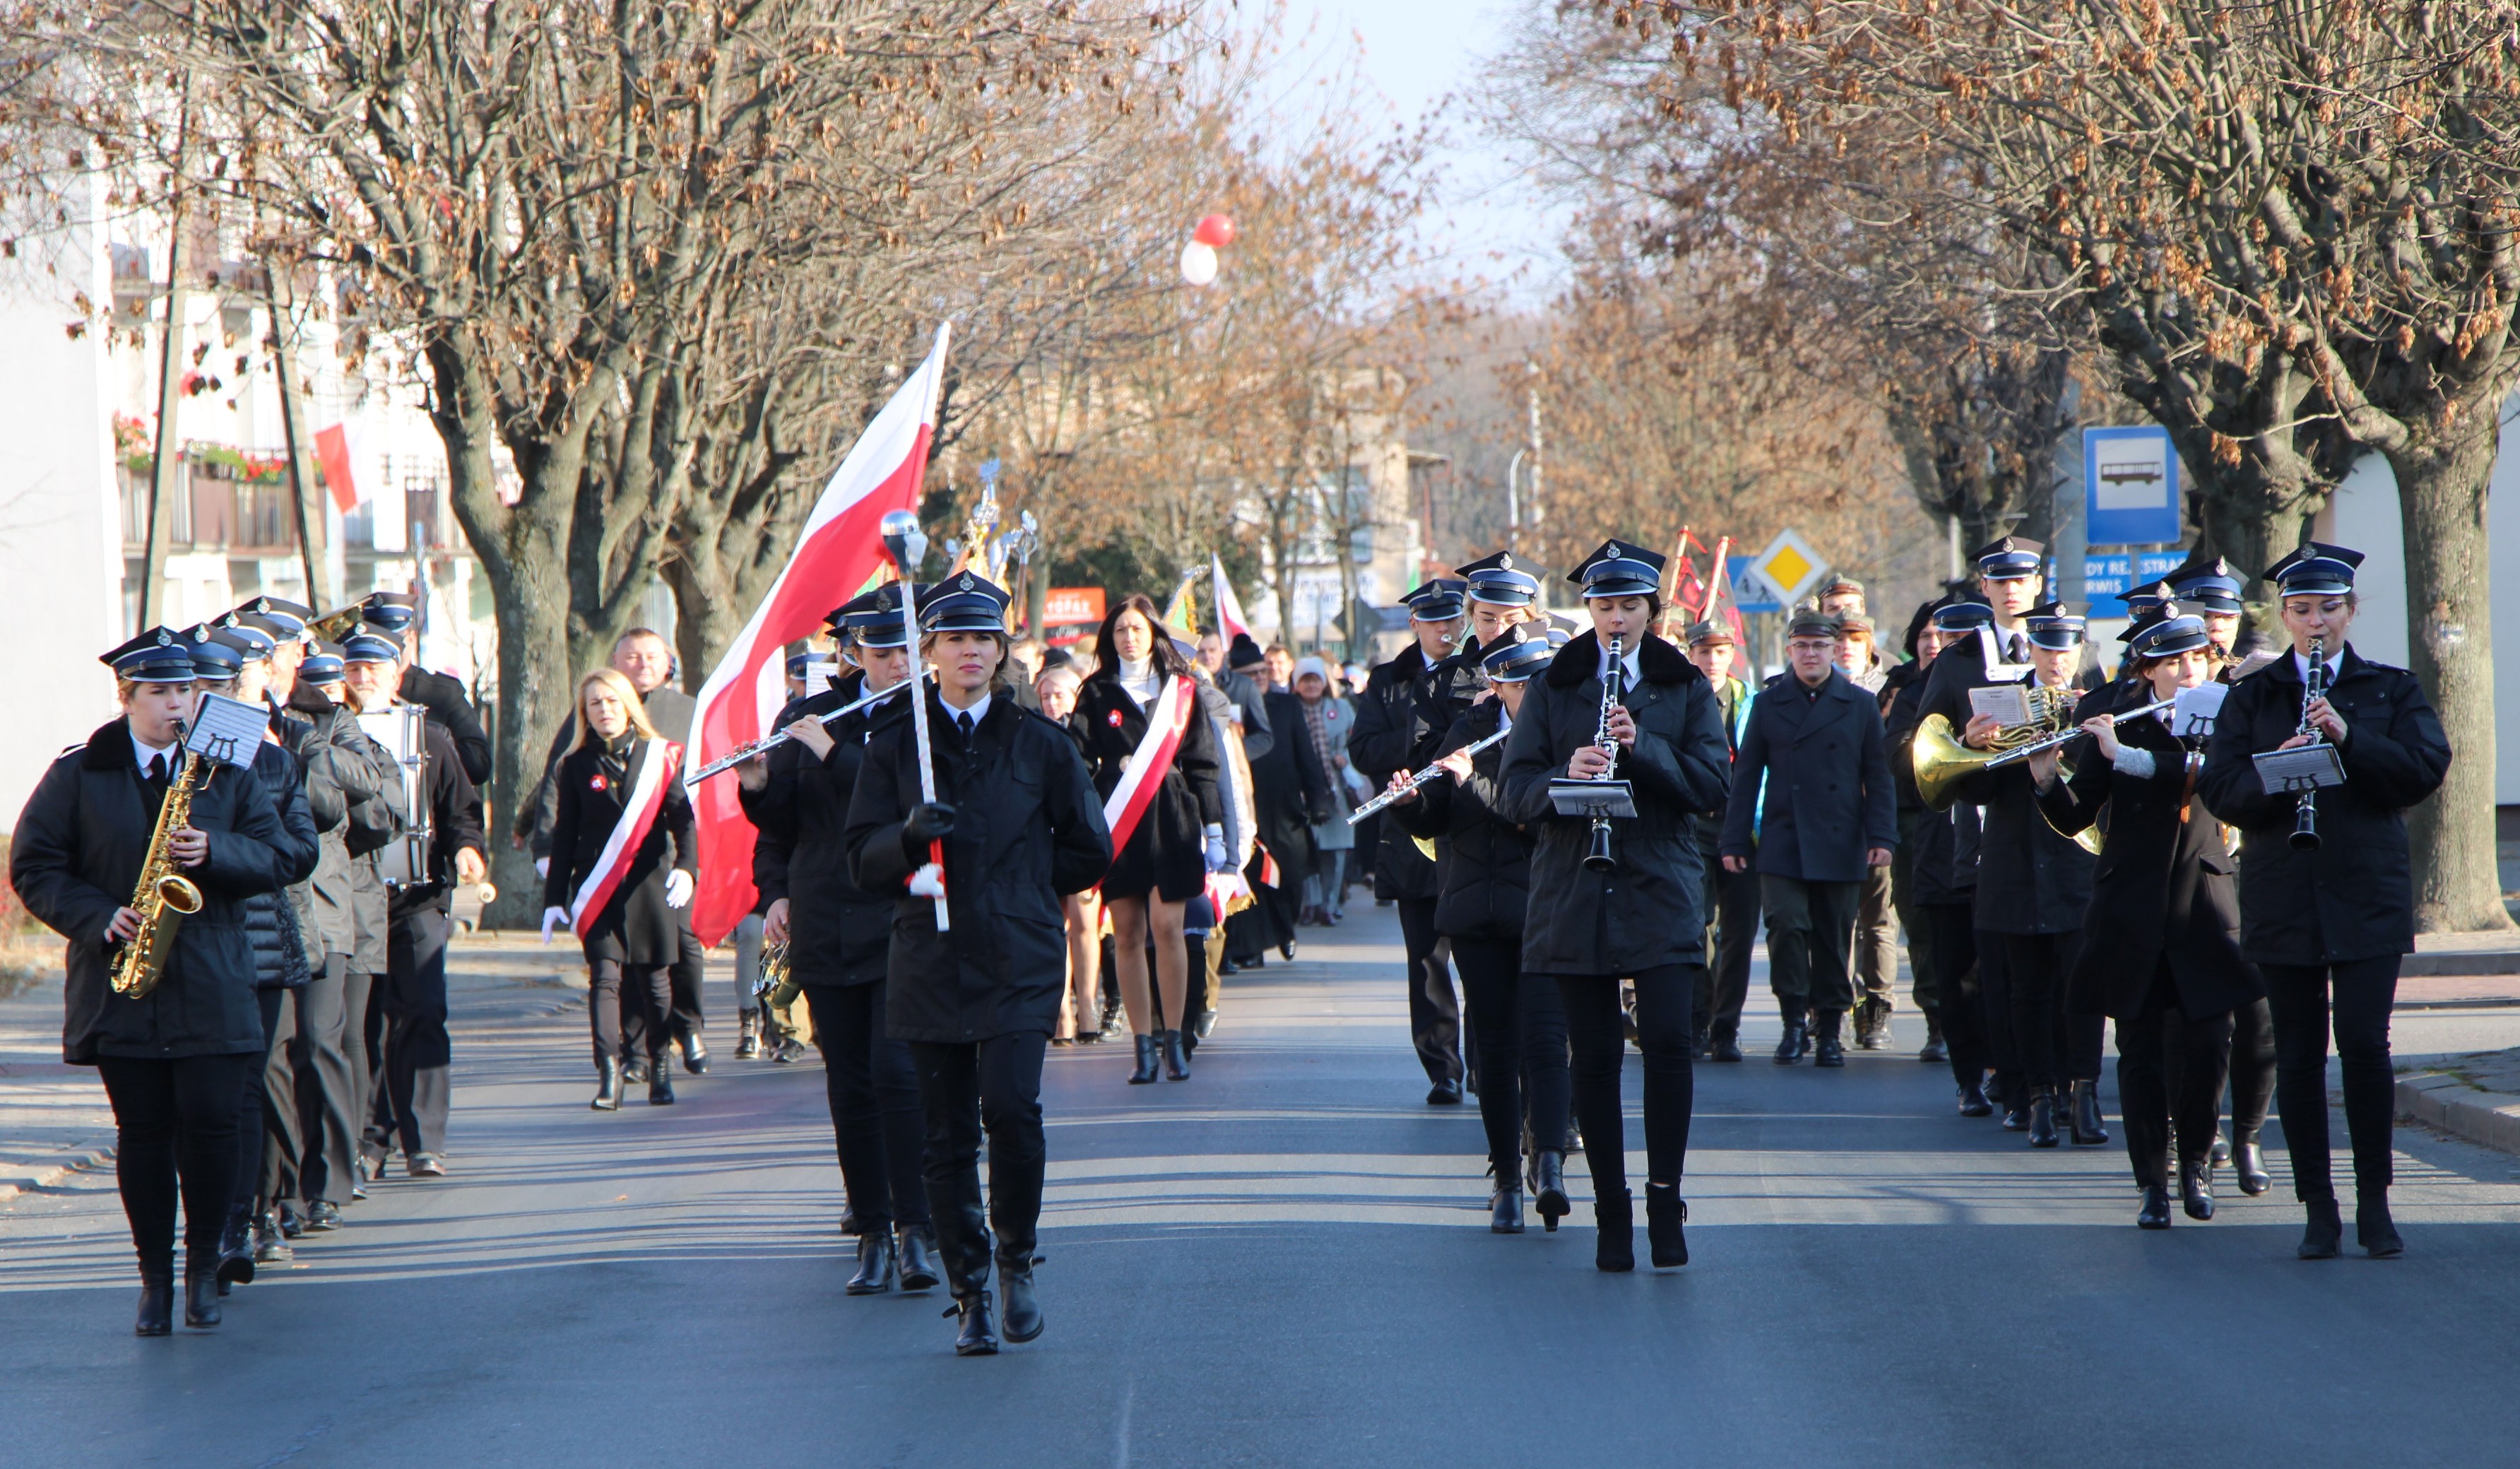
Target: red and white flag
point(1143, 775)
point(657, 762)
point(840, 548)
point(1230, 621)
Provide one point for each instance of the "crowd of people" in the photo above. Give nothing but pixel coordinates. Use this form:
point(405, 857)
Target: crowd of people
point(1589, 823)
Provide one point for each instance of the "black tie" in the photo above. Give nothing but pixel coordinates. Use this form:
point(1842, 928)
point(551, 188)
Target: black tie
point(157, 769)
point(963, 722)
point(2016, 650)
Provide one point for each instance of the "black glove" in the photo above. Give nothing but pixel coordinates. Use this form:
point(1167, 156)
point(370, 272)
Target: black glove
point(928, 823)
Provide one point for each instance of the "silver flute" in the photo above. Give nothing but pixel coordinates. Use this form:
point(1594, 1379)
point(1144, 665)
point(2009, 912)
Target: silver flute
point(1421, 778)
point(768, 743)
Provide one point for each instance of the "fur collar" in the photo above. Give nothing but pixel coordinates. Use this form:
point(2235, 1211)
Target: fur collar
point(1657, 661)
point(110, 749)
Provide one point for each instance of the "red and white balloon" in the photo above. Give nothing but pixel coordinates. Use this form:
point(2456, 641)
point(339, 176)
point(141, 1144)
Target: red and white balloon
point(1198, 259)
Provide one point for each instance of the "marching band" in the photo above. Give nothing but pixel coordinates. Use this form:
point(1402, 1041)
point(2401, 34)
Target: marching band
point(2209, 851)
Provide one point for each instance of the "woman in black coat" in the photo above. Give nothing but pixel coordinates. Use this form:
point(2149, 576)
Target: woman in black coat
point(1165, 861)
point(840, 942)
point(2161, 943)
point(622, 910)
point(2329, 922)
point(1643, 921)
point(176, 1060)
point(1019, 825)
point(1520, 1021)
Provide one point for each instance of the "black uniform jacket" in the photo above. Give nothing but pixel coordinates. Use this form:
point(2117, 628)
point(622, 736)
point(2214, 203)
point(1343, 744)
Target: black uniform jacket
point(1027, 829)
point(444, 697)
point(1829, 798)
point(273, 919)
point(837, 933)
point(1289, 790)
point(1487, 858)
point(2030, 880)
point(1649, 911)
point(2354, 896)
point(1108, 725)
point(75, 858)
point(2162, 889)
point(593, 784)
point(1399, 719)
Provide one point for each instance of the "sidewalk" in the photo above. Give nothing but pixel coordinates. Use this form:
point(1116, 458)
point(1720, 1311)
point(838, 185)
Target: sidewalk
point(2475, 1096)
point(54, 1117)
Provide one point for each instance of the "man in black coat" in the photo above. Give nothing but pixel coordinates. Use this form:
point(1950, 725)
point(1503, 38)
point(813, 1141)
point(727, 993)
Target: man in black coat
point(1829, 817)
point(1289, 792)
point(1400, 719)
point(2329, 922)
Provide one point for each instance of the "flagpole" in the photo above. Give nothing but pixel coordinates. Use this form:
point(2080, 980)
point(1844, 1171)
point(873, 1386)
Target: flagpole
point(908, 547)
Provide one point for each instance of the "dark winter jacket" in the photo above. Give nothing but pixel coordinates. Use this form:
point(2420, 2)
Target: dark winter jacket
point(1651, 911)
point(342, 779)
point(1289, 790)
point(271, 919)
point(839, 933)
point(2353, 898)
point(1487, 858)
point(594, 782)
point(1108, 725)
point(75, 858)
point(1828, 800)
point(444, 697)
point(2162, 889)
point(1027, 829)
point(2030, 880)
point(1401, 714)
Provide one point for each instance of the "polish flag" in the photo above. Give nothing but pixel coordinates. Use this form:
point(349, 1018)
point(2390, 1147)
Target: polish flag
point(1230, 620)
point(333, 453)
point(840, 548)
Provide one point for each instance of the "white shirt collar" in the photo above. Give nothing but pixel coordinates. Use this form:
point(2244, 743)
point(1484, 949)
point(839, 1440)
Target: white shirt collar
point(2301, 667)
point(1629, 673)
point(979, 710)
point(147, 752)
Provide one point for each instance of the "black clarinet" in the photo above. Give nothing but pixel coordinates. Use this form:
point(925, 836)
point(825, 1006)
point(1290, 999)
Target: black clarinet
point(2313, 687)
point(1599, 859)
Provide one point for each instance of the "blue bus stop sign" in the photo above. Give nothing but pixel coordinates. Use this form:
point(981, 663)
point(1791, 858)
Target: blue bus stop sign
point(2130, 488)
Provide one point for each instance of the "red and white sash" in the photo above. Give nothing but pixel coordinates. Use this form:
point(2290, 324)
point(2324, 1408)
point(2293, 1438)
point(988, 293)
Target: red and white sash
point(1166, 722)
point(649, 770)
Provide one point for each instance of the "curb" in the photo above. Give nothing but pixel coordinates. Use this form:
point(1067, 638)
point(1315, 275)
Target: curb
point(2436, 1099)
point(44, 1172)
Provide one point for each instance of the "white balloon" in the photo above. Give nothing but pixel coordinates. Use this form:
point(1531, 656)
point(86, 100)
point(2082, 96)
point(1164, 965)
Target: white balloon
point(1198, 263)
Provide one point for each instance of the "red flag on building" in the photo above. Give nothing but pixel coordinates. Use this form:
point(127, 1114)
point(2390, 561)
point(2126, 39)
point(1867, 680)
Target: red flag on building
point(840, 548)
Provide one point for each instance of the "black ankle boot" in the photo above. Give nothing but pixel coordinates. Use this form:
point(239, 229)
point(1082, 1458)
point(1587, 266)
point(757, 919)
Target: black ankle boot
point(1023, 1302)
point(1549, 1188)
point(2222, 1151)
point(1616, 1249)
point(1147, 1050)
point(2374, 1229)
point(978, 1335)
point(661, 1080)
point(915, 1247)
point(1789, 1046)
point(875, 1264)
point(2085, 1119)
point(2324, 1231)
point(236, 1248)
point(607, 1085)
point(2196, 1188)
point(1505, 1209)
point(201, 1296)
point(1665, 1212)
point(1973, 1102)
point(156, 1314)
point(2154, 1212)
point(2042, 1118)
point(2249, 1162)
point(1826, 1048)
point(1176, 1061)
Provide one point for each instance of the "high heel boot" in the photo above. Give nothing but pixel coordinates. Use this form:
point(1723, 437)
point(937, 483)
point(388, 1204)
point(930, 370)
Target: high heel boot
point(1549, 1188)
point(915, 1247)
point(661, 1080)
point(875, 1259)
point(2324, 1231)
point(235, 1247)
point(2042, 1118)
point(608, 1084)
point(2249, 1162)
point(1665, 1212)
point(1176, 1060)
point(156, 1314)
point(1616, 1249)
point(2374, 1229)
point(1505, 1205)
point(201, 1294)
point(2085, 1120)
point(1147, 1053)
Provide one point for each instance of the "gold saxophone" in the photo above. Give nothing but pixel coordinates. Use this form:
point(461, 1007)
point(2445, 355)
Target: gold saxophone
point(165, 897)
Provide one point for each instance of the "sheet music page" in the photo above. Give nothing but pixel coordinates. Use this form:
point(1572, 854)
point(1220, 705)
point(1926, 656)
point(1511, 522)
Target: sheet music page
point(2007, 703)
point(227, 731)
point(2197, 709)
point(2285, 772)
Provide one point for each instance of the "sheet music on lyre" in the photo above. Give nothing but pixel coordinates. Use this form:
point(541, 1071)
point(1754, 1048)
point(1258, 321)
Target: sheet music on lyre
point(2196, 709)
point(227, 731)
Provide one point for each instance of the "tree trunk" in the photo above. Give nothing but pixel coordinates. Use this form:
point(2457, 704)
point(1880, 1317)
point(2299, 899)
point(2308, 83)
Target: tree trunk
point(529, 596)
point(2442, 489)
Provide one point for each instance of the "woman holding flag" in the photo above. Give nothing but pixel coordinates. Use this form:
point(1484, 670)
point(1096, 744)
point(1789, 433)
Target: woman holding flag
point(1154, 762)
point(620, 801)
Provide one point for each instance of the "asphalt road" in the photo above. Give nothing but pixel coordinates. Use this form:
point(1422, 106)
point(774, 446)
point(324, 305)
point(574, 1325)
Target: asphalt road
point(1284, 1261)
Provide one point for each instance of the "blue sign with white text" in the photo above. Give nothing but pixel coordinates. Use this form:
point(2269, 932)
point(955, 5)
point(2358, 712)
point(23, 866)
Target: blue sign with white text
point(2107, 577)
point(2130, 488)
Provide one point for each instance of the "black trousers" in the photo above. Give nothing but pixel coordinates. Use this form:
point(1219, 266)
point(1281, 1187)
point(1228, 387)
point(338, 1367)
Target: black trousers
point(1434, 1012)
point(1811, 927)
point(2354, 997)
point(1923, 976)
point(1663, 996)
point(966, 1089)
point(1958, 1004)
point(2170, 1079)
point(256, 1115)
point(174, 1126)
point(873, 1087)
point(2253, 1068)
point(1995, 1004)
point(308, 1079)
point(690, 963)
point(363, 1046)
point(2054, 1046)
point(615, 989)
point(1731, 905)
point(413, 1086)
point(1520, 1023)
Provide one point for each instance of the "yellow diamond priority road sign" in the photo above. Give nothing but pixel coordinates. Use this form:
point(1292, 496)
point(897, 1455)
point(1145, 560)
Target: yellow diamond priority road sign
point(1791, 565)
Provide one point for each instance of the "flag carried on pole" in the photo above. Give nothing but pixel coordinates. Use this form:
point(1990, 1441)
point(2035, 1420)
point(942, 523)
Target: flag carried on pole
point(840, 548)
point(1231, 624)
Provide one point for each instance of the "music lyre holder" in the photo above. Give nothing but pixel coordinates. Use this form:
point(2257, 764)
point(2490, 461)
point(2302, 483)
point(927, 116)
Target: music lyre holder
point(1592, 798)
point(2304, 767)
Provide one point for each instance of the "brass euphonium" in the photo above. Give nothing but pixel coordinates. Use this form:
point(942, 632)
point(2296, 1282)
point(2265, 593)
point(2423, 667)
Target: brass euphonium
point(165, 897)
point(1941, 761)
point(338, 623)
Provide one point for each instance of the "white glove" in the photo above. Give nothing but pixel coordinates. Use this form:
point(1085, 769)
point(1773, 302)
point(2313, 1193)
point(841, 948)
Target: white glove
point(1218, 858)
point(678, 887)
point(542, 866)
point(551, 919)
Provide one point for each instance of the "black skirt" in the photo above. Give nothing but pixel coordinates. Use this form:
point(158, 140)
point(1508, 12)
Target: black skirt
point(1167, 855)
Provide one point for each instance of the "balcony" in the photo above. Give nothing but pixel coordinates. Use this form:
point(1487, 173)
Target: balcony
point(236, 502)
